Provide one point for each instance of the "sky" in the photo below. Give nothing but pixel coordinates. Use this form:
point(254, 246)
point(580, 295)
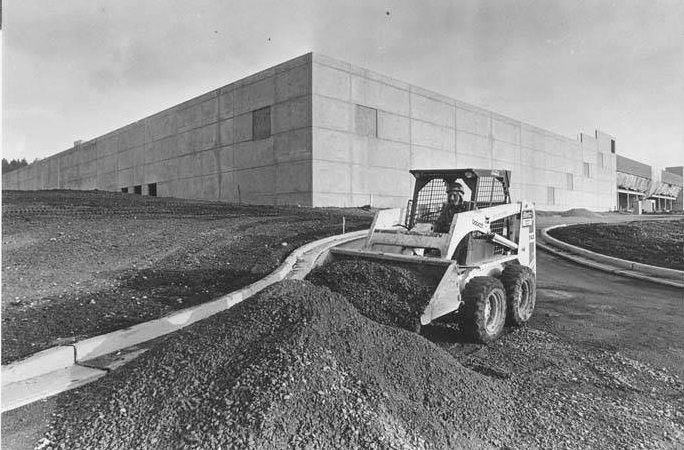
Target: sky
point(77, 69)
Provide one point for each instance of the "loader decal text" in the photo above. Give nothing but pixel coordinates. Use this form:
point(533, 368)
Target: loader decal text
point(527, 218)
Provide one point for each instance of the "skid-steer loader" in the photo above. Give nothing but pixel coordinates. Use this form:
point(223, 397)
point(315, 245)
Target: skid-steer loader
point(484, 261)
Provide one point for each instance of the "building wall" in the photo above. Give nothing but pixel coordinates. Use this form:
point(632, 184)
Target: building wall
point(358, 160)
point(678, 171)
point(201, 149)
point(632, 167)
point(339, 136)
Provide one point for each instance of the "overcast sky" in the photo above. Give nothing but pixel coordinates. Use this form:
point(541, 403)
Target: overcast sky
point(76, 69)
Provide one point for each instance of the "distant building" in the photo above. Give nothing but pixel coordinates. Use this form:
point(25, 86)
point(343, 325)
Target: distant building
point(633, 182)
point(321, 132)
point(677, 180)
point(638, 181)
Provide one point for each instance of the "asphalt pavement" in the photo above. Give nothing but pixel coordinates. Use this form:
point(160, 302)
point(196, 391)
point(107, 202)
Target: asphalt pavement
point(638, 318)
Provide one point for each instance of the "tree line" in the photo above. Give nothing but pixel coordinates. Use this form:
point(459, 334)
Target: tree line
point(8, 166)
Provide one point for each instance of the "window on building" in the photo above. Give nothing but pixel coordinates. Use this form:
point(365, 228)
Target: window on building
point(366, 121)
point(599, 160)
point(569, 182)
point(137, 189)
point(152, 189)
point(586, 169)
point(612, 145)
point(124, 190)
point(261, 123)
point(550, 195)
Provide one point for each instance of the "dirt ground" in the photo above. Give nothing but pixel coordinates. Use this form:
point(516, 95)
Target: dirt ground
point(298, 366)
point(80, 264)
point(658, 243)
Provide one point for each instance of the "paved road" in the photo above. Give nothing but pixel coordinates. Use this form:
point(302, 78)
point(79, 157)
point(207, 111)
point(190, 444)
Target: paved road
point(640, 319)
point(643, 320)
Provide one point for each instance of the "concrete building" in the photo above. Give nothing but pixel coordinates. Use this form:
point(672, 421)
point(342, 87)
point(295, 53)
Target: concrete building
point(675, 176)
point(316, 131)
point(633, 182)
point(637, 181)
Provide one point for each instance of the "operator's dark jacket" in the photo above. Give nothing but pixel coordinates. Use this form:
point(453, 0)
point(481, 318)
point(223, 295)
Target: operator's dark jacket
point(443, 222)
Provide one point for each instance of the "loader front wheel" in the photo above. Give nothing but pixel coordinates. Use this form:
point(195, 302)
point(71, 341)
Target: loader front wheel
point(484, 309)
point(521, 293)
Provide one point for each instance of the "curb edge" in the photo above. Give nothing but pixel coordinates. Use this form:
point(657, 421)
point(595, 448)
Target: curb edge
point(61, 357)
point(610, 264)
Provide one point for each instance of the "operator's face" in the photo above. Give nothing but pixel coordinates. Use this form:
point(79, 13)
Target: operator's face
point(454, 197)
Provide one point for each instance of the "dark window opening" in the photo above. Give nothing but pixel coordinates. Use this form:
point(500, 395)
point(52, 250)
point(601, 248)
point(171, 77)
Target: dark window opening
point(137, 189)
point(550, 195)
point(152, 189)
point(366, 121)
point(261, 123)
point(612, 145)
point(124, 190)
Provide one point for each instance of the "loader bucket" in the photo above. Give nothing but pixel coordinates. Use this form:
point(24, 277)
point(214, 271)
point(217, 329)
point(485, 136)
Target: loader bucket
point(440, 273)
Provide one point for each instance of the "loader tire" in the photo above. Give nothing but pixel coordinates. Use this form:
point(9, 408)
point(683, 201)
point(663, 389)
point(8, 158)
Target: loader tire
point(521, 293)
point(484, 309)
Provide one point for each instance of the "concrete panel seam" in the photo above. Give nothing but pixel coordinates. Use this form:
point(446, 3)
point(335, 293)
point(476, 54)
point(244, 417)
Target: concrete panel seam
point(379, 78)
point(351, 102)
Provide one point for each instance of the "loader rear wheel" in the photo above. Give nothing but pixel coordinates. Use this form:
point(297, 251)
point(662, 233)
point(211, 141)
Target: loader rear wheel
point(484, 309)
point(521, 293)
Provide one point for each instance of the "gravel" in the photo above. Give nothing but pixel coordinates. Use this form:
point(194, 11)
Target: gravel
point(575, 397)
point(388, 294)
point(294, 367)
point(298, 366)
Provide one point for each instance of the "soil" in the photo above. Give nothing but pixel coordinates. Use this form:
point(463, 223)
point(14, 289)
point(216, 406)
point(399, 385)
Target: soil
point(655, 242)
point(297, 366)
point(78, 264)
point(387, 294)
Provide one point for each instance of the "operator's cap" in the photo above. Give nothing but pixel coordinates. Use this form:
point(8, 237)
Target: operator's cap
point(455, 186)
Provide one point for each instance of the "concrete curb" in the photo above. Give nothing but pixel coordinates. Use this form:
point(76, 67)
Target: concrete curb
point(660, 275)
point(62, 357)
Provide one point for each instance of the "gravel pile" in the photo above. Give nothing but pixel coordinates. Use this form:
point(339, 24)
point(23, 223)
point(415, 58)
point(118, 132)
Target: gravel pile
point(294, 367)
point(387, 294)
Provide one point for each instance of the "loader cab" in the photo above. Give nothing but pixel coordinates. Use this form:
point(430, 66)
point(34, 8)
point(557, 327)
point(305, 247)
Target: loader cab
point(483, 188)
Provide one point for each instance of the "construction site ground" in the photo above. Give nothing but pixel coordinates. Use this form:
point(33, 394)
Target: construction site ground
point(658, 243)
point(80, 264)
point(301, 366)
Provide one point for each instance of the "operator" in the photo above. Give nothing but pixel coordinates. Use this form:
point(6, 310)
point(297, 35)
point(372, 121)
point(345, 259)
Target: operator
point(453, 205)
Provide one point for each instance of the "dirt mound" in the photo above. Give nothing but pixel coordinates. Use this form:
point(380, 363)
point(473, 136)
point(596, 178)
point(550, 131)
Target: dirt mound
point(385, 293)
point(579, 212)
point(294, 367)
